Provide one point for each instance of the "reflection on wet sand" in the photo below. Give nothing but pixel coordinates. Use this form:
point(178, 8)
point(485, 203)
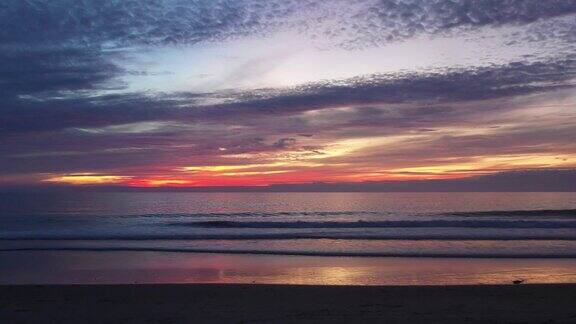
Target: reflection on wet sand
point(155, 267)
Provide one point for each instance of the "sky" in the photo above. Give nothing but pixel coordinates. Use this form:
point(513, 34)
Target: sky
point(202, 93)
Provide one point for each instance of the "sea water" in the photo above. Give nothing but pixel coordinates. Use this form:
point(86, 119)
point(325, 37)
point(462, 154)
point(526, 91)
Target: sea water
point(465, 226)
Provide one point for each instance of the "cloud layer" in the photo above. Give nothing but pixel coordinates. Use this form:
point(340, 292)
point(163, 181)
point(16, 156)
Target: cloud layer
point(92, 91)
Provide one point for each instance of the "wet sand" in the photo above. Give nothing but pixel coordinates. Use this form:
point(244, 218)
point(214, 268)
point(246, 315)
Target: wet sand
point(106, 268)
point(287, 304)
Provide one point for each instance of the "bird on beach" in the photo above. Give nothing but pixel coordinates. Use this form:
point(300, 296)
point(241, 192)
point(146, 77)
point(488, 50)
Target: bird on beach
point(517, 282)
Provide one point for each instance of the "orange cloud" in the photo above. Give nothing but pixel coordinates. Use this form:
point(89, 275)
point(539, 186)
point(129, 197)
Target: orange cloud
point(88, 179)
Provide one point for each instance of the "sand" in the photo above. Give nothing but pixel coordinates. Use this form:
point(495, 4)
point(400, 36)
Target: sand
point(287, 304)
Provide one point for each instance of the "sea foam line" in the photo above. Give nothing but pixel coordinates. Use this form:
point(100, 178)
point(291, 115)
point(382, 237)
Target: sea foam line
point(294, 236)
point(383, 224)
point(292, 252)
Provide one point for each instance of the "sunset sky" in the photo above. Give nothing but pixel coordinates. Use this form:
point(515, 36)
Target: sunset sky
point(251, 93)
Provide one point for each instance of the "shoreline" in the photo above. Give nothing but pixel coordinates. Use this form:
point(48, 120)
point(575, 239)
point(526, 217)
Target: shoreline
point(204, 303)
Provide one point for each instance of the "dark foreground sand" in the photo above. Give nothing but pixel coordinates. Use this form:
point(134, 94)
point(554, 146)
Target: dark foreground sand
point(286, 304)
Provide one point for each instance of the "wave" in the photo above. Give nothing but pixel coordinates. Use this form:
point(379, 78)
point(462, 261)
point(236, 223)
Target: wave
point(296, 253)
point(527, 213)
point(568, 213)
point(296, 236)
point(220, 215)
point(383, 224)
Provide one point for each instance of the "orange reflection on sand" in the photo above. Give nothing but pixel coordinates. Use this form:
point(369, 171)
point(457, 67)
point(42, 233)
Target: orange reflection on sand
point(379, 271)
point(154, 267)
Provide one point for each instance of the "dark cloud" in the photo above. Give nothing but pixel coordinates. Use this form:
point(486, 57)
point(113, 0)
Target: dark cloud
point(22, 115)
point(59, 45)
point(120, 23)
point(63, 106)
point(129, 22)
point(41, 71)
point(284, 143)
point(73, 131)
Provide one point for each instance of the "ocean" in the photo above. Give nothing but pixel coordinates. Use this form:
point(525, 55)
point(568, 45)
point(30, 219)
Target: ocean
point(419, 226)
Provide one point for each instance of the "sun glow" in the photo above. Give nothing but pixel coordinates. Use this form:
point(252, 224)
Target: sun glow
point(486, 164)
point(260, 167)
point(88, 179)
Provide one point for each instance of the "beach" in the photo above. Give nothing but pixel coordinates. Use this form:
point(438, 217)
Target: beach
point(153, 287)
point(277, 258)
point(285, 304)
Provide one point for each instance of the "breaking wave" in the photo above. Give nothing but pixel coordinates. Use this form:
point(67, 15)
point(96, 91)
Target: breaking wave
point(384, 224)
